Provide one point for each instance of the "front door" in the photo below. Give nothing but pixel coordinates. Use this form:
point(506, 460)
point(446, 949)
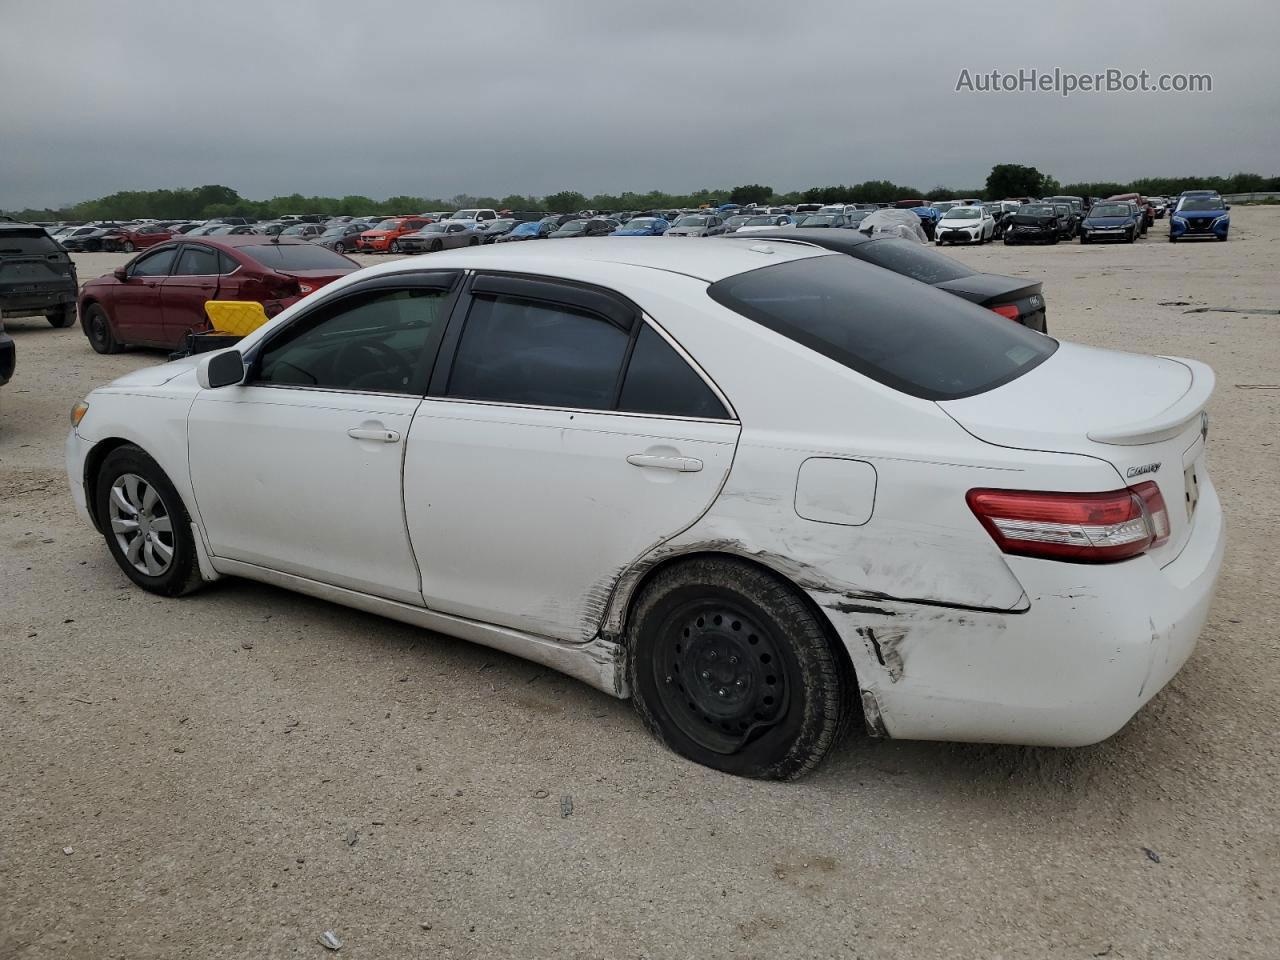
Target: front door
point(136, 309)
point(299, 468)
point(563, 438)
point(193, 283)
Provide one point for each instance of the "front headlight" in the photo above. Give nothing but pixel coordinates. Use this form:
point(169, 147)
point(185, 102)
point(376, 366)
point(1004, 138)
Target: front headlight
point(1218, 220)
point(78, 412)
point(1181, 220)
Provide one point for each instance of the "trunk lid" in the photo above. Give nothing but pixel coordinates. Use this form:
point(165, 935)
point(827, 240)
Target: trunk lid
point(1141, 414)
point(987, 288)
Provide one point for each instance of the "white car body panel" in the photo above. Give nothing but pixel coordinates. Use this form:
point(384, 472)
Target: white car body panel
point(525, 516)
point(532, 531)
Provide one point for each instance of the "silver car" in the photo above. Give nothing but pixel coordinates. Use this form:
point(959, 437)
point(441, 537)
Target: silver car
point(697, 225)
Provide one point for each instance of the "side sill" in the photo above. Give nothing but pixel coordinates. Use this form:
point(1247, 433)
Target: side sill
point(598, 663)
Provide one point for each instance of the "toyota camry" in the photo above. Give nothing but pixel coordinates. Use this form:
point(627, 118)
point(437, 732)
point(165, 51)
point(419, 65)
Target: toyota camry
point(762, 489)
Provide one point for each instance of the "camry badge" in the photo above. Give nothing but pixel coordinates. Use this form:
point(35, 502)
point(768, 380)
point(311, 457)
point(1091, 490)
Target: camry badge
point(1139, 471)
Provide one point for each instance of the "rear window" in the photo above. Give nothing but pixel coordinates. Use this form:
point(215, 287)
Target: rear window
point(26, 243)
point(912, 260)
point(297, 256)
point(896, 331)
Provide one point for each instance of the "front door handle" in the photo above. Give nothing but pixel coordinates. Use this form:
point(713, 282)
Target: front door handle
point(681, 464)
point(380, 434)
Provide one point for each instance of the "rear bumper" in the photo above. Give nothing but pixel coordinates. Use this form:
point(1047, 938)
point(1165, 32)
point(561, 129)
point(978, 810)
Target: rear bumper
point(35, 303)
point(1097, 643)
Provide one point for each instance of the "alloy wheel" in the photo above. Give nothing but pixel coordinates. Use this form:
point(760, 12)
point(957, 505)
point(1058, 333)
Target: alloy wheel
point(141, 524)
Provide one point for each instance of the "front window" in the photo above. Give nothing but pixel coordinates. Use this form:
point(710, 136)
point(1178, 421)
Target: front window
point(921, 341)
point(1201, 204)
point(964, 213)
point(691, 222)
point(761, 221)
point(388, 225)
point(818, 220)
point(374, 344)
point(1109, 210)
point(1036, 210)
point(573, 226)
point(154, 264)
point(647, 223)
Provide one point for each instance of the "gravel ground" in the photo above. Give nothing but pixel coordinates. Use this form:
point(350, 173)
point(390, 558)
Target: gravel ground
point(242, 770)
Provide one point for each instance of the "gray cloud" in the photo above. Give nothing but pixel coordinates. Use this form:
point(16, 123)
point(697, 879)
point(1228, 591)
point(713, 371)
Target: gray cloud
point(532, 96)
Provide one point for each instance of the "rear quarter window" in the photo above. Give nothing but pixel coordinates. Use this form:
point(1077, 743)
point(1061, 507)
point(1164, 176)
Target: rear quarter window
point(904, 334)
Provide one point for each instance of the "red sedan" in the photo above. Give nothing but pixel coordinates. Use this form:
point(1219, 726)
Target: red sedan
point(158, 297)
point(134, 238)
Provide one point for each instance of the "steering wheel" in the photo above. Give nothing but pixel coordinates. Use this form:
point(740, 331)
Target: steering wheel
point(388, 365)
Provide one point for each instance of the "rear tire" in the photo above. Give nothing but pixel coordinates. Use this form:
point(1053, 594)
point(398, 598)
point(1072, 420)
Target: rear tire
point(97, 327)
point(129, 247)
point(145, 523)
point(63, 317)
point(730, 668)
point(436, 247)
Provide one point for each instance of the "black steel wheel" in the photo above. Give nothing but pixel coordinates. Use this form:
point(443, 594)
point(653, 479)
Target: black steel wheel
point(730, 668)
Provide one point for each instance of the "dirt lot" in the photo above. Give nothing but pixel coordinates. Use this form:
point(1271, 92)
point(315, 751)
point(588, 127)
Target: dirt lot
point(239, 771)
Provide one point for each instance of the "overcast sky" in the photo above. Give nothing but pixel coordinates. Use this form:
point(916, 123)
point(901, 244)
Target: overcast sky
point(432, 98)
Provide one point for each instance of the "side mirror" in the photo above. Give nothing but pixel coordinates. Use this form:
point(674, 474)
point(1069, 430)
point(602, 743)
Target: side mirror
point(120, 274)
point(221, 369)
point(1227, 206)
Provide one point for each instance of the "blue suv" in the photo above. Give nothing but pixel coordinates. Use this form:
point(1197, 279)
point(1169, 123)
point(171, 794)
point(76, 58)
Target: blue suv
point(1200, 216)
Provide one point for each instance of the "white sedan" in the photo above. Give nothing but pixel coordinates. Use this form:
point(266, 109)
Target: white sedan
point(965, 225)
point(761, 489)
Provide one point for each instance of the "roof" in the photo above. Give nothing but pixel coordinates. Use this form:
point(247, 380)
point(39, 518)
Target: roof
point(238, 240)
point(701, 258)
point(837, 239)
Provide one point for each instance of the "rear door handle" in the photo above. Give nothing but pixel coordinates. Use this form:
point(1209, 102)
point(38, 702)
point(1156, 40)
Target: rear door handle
point(681, 464)
point(369, 433)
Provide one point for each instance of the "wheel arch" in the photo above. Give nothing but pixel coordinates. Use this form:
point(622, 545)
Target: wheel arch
point(631, 586)
point(93, 466)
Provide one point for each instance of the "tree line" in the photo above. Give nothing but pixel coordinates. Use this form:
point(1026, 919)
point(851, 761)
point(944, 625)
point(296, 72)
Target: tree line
point(1006, 180)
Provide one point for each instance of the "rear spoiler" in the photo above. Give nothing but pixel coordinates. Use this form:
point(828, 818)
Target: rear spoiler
point(1169, 422)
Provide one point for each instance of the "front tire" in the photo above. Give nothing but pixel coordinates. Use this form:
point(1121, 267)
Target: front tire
point(339, 248)
point(97, 327)
point(129, 247)
point(145, 524)
point(395, 246)
point(730, 668)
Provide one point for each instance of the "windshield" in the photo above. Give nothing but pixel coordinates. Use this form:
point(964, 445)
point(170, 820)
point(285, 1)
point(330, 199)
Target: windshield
point(645, 223)
point(526, 230)
point(964, 213)
point(1036, 210)
point(297, 256)
point(495, 226)
point(818, 220)
point(1109, 210)
point(762, 221)
point(736, 221)
point(388, 225)
point(857, 216)
point(691, 222)
point(921, 341)
point(1201, 203)
point(912, 259)
point(295, 231)
point(944, 206)
point(573, 226)
point(465, 215)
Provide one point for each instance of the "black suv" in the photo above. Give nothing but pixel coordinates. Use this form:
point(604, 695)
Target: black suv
point(37, 278)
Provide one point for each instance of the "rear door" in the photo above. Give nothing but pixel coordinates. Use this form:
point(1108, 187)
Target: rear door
point(563, 437)
point(193, 283)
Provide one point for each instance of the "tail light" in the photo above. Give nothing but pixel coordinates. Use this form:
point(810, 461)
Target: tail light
point(1081, 527)
point(1007, 310)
